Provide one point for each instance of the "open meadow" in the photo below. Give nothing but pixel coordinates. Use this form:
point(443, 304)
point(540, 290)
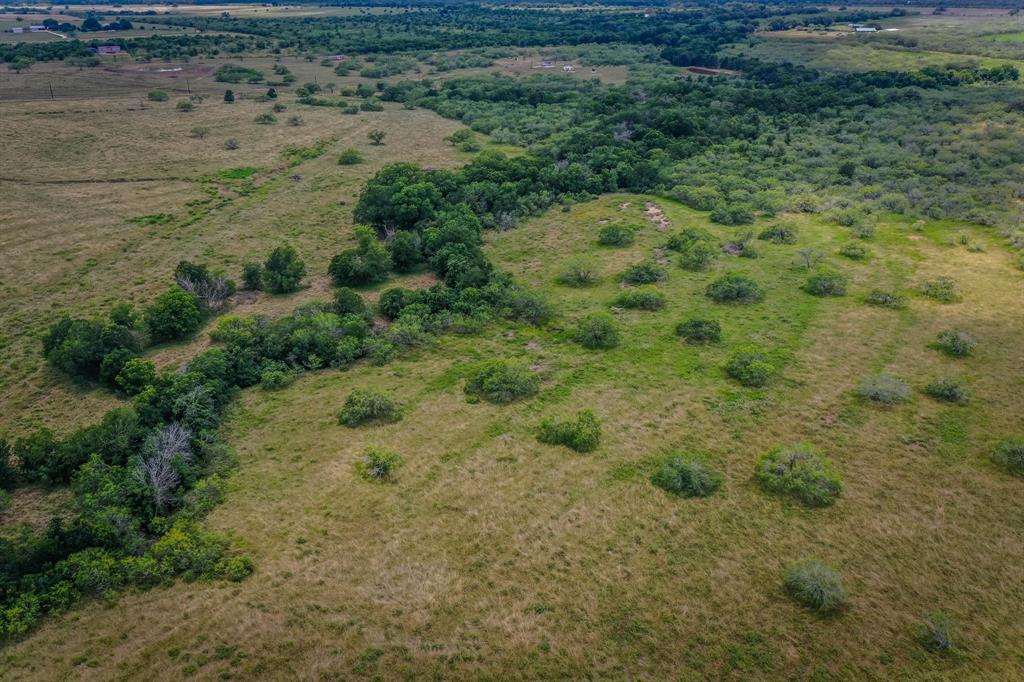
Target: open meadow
point(662, 264)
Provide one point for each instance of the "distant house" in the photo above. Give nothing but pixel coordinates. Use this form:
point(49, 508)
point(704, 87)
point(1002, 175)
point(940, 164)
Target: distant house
point(568, 67)
point(865, 29)
point(37, 28)
point(18, 29)
point(337, 57)
point(548, 64)
point(108, 49)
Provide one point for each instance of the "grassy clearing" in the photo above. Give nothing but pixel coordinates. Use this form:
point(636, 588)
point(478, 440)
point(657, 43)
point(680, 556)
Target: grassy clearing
point(494, 556)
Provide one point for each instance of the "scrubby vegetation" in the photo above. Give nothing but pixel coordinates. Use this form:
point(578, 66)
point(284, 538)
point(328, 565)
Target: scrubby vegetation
point(699, 330)
point(826, 283)
point(751, 368)
point(641, 298)
point(363, 406)
point(734, 288)
point(379, 465)
point(947, 390)
point(582, 434)
point(1010, 455)
point(802, 472)
point(955, 343)
point(687, 476)
point(884, 389)
point(942, 289)
point(616, 235)
point(501, 382)
point(597, 332)
point(816, 586)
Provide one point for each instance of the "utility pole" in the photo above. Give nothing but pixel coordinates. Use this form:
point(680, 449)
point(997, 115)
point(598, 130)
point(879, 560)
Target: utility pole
point(188, 87)
point(51, 89)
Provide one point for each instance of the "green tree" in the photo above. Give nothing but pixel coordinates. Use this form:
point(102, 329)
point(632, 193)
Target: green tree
point(174, 314)
point(283, 270)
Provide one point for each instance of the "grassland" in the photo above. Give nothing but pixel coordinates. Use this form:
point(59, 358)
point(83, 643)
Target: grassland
point(493, 556)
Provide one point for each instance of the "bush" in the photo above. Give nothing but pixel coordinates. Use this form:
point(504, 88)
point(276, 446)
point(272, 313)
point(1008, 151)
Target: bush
point(583, 434)
point(393, 301)
point(942, 289)
point(734, 288)
point(885, 299)
point(276, 377)
point(799, 471)
point(644, 273)
point(350, 157)
point(698, 330)
point(884, 388)
point(955, 343)
point(826, 283)
point(158, 96)
point(283, 270)
point(936, 633)
point(687, 476)
point(732, 214)
point(364, 405)
point(348, 302)
point(578, 273)
point(501, 382)
point(378, 464)
point(616, 235)
point(853, 251)
point(641, 298)
point(265, 119)
point(783, 233)
point(815, 586)
point(529, 307)
point(947, 390)
point(252, 276)
point(135, 375)
point(688, 236)
point(173, 315)
point(367, 263)
point(405, 249)
point(750, 368)
point(1010, 454)
point(185, 106)
point(236, 568)
point(597, 332)
point(697, 256)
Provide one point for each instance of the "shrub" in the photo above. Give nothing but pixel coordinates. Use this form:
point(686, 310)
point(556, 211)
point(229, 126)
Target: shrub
point(135, 375)
point(884, 388)
point(641, 298)
point(699, 330)
point(578, 273)
point(393, 301)
point(501, 382)
point(367, 263)
point(529, 307)
point(799, 471)
point(955, 343)
point(378, 464)
point(697, 256)
point(826, 283)
point(644, 273)
point(783, 233)
point(231, 144)
point(597, 332)
point(734, 288)
point(276, 377)
point(582, 434)
point(158, 96)
point(853, 251)
point(405, 249)
point(687, 236)
point(350, 157)
point(947, 390)
point(364, 405)
point(348, 302)
point(942, 289)
point(936, 632)
point(252, 276)
point(236, 568)
point(174, 314)
point(185, 106)
point(884, 299)
point(1010, 454)
point(616, 235)
point(750, 368)
point(283, 271)
point(687, 476)
point(265, 119)
point(732, 214)
point(815, 586)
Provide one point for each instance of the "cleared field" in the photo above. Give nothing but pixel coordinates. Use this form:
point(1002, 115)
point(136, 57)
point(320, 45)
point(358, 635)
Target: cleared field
point(493, 556)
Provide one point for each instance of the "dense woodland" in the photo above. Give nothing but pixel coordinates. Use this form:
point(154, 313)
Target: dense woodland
point(768, 138)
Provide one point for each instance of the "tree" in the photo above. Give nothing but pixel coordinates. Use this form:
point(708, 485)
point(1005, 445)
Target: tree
point(91, 23)
point(367, 263)
point(376, 136)
point(176, 313)
point(229, 96)
point(283, 271)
